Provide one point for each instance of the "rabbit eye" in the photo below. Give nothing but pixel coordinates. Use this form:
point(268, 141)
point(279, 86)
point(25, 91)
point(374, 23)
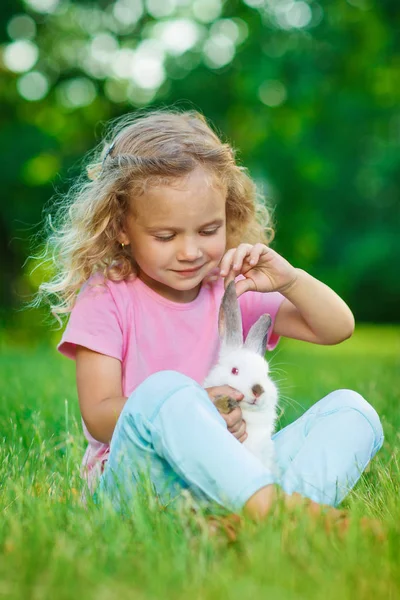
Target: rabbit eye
point(235, 371)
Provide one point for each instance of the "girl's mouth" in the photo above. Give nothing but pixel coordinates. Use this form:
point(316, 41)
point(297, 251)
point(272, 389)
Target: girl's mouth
point(189, 271)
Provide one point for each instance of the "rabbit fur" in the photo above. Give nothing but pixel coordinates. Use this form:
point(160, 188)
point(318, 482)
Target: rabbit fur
point(243, 367)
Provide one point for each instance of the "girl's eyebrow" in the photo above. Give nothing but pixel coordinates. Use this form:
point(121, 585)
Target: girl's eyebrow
point(168, 228)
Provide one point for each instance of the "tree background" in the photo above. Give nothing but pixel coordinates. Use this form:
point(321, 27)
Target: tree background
point(307, 92)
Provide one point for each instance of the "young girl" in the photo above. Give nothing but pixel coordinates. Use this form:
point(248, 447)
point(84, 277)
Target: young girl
point(166, 220)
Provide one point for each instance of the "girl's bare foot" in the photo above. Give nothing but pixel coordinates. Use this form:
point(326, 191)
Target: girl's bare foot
point(333, 519)
point(266, 502)
point(228, 526)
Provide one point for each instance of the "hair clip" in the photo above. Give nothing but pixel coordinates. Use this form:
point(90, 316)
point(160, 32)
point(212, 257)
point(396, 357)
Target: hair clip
point(108, 152)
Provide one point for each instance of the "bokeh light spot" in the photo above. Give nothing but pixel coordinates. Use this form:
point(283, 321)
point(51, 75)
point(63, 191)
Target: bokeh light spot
point(299, 15)
point(102, 50)
point(33, 86)
point(76, 92)
point(43, 6)
point(177, 35)
point(41, 169)
point(20, 56)
point(272, 92)
point(206, 11)
point(140, 97)
point(147, 69)
point(21, 27)
point(128, 12)
point(103, 46)
point(160, 8)
point(219, 51)
point(361, 4)
point(122, 63)
point(292, 15)
point(116, 91)
point(227, 28)
point(255, 3)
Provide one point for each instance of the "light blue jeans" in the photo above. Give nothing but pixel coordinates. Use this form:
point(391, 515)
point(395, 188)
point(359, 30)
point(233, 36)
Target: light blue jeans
point(170, 429)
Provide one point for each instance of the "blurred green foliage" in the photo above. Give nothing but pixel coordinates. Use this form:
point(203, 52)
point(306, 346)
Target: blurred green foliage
point(307, 92)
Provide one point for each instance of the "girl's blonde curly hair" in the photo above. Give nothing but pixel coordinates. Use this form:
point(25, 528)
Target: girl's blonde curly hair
point(153, 148)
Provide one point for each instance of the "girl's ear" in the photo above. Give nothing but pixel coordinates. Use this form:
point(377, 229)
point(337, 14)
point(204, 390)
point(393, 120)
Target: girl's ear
point(123, 238)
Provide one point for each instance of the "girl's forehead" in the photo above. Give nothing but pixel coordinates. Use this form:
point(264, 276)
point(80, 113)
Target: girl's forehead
point(191, 197)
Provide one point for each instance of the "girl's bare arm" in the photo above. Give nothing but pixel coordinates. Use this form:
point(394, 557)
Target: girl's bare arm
point(313, 312)
point(99, 383)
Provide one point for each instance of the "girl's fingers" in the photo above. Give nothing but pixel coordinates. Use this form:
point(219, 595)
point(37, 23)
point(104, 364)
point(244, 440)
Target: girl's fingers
point(256, 252)
point(226, 262)
point(241, 252)
point(245, 285)
point(232, 262)
point(254, 256)
point(240, 432)
point(241, 260)
point(233, 259)
point(234, 419)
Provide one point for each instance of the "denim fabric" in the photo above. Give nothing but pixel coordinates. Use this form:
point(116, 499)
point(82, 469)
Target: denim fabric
point(171, 430)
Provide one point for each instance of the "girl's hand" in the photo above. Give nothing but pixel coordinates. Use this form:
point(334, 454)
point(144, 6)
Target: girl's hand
point(264, 269)
point(236, 425)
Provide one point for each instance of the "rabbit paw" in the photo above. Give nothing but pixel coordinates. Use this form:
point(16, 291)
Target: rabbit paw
point(225, 404)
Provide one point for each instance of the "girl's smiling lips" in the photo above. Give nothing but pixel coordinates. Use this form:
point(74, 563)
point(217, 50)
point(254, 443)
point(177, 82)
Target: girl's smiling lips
point(188, 271)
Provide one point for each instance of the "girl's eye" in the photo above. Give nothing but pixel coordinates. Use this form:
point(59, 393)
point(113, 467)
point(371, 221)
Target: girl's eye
point(209, 231)
point(235, 371)
point(171, 237)
point(164, 239)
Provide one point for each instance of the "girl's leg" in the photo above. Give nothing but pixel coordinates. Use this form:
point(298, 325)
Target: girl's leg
point(323, 453)
point(171, 429)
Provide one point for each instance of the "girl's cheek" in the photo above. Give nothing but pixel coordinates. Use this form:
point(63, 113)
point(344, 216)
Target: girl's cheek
point(222, 246)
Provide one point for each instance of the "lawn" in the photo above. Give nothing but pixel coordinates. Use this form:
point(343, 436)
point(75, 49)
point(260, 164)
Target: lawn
point(53, 547)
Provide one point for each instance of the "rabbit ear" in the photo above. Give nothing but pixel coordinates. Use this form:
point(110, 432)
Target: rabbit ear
point(257, 337)
point(230, 319)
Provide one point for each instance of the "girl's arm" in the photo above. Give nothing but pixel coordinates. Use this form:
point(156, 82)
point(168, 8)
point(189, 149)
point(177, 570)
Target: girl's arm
point(313, 312)
point(99, 383)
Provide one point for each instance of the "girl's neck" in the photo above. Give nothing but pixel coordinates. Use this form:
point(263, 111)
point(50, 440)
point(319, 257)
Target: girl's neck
point(180, 296)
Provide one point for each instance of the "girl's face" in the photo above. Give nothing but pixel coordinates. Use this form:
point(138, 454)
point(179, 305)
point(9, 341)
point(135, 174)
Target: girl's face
point(177, 235)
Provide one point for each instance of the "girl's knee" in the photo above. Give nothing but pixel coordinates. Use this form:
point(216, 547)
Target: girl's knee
point(149, 396)
point(348, 399)
point(146, 401)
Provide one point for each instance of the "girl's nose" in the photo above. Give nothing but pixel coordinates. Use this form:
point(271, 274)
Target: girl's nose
point(189, 251)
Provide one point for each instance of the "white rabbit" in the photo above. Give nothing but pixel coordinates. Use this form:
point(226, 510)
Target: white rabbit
point(243, 367)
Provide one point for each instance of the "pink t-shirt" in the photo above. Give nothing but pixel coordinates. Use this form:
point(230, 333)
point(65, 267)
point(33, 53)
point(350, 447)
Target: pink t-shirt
point(148, 333)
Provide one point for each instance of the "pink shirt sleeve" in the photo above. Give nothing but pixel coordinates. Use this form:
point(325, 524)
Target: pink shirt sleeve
point(255, 304)
point(94, 323)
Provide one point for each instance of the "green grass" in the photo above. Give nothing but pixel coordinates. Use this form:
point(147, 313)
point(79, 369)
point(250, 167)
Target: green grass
point(52, 547)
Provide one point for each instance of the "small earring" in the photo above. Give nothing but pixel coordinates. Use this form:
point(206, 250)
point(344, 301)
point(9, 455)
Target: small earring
point(122, 245)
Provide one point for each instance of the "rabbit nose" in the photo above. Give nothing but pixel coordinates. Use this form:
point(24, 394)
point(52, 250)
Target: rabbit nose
point(257, 390)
